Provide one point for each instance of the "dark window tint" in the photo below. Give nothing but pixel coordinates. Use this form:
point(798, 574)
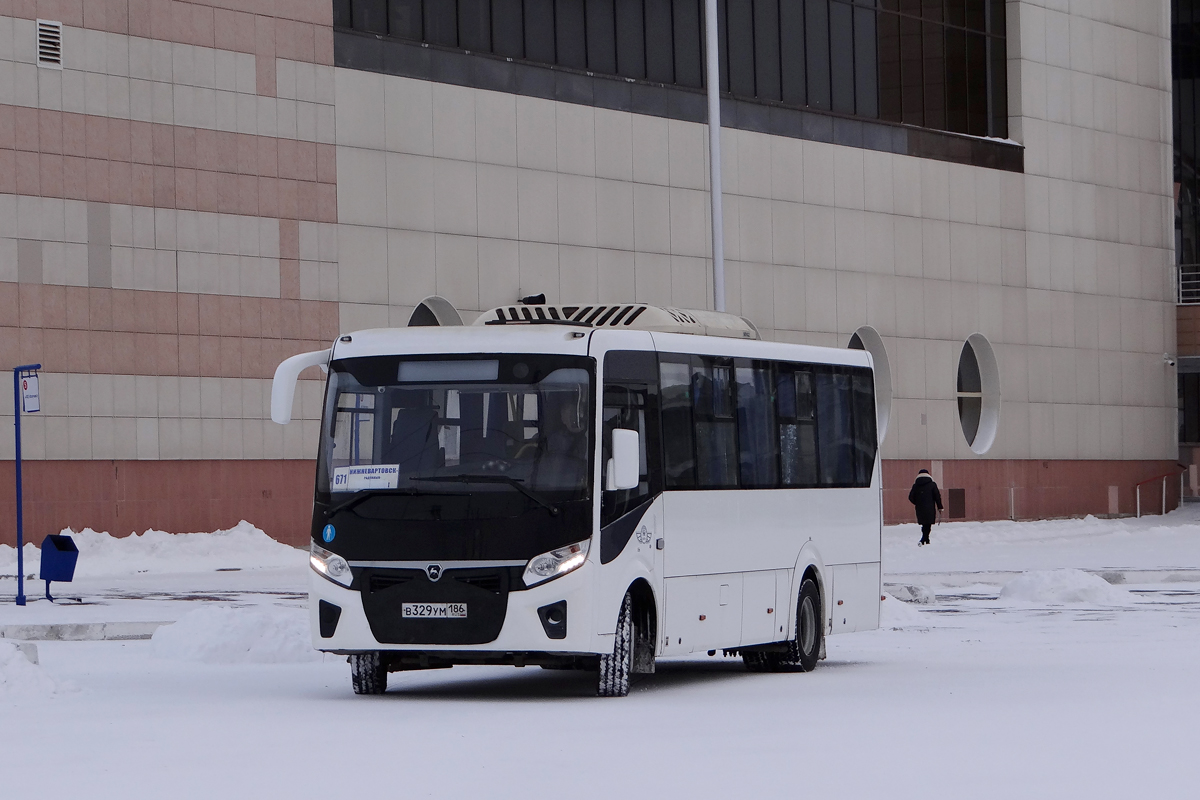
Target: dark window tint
point(956, 80)
point(791, 53)
point(405, 19)
point(766, 49)
point(715, 424)
point(796, 408)
point(569, 29)
point(441, 22)
point(816, 37)
point(539, 30)
point(626, 407)
point(601, 36)
point(890, 80)
point(933, 45)
point(865, 439)
point(369, 15)
point(912, 78)
point(631, 44)
point(675, 382)
point(689, 42)
point(475, 25)
point(977, 91)
point(866, 76)
point(758, 443)
point(508, 28)
point(342, 15)
point(835, 418)
point(739, 23)
point(936, 63)
point(660, 65)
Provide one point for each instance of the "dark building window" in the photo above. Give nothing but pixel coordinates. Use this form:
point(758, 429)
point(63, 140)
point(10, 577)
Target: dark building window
point(1185, 75)
point(932, 63)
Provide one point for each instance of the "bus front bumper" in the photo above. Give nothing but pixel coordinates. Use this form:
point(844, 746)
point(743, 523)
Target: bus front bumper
point(523, 630)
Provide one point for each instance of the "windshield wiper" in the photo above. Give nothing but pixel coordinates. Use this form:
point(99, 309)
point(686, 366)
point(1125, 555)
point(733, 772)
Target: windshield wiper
point(516, 483)
point(365, 494)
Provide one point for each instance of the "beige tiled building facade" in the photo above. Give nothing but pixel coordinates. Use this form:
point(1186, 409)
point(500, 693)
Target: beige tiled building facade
point(206, 187)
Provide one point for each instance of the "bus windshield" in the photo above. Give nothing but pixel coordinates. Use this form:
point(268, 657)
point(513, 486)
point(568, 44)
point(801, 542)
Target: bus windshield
point(425, 425)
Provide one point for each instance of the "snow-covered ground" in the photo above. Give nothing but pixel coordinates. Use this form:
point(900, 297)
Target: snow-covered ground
point(1048, 660)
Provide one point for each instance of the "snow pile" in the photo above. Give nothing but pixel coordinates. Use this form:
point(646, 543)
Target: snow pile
point(1064, 586)
point(1152, 542)
point(101, 554)
point(913, 594)
point(224, 635)
point(19, 677)
point(896, 614)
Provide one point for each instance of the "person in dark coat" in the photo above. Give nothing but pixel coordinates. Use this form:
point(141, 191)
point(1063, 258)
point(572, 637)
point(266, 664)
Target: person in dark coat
point(928, 500)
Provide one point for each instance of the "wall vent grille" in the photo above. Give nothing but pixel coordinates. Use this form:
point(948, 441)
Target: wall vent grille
point(49, 44)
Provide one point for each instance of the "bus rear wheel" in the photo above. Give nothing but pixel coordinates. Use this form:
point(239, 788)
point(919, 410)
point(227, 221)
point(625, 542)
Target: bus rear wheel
point(368, 673)
point(616, 666)
point(804, 650)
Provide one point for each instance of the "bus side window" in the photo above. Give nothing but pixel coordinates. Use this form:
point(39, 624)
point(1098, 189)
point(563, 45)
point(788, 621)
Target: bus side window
point(758, 445)
point(796, 410)
point(836, 438)
point(715, 424)
point(866, 441)
point(676, 393)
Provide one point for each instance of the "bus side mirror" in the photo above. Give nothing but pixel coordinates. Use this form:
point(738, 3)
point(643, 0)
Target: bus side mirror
point(283, 387)
point(624, 468)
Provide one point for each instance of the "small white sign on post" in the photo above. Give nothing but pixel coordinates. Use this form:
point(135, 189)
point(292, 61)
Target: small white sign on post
point(31, 401)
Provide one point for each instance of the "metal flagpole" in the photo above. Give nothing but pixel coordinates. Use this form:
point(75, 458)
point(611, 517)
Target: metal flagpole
point(714, 151)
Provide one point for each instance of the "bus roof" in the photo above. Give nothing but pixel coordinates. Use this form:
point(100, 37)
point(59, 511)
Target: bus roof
point(627, 316)
point(572, 340)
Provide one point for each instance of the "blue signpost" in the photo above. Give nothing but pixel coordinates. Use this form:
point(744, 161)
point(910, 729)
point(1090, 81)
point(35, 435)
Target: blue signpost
point(26, 397)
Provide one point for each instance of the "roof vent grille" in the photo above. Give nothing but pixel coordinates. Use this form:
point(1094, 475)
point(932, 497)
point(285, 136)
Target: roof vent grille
point(49, 44)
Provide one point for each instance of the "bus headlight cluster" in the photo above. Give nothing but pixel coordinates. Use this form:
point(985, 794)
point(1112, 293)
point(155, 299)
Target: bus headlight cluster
point(330, 565)
point(555, 563)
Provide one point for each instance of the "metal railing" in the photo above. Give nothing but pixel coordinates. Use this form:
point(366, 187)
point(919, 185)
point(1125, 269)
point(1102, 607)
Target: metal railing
point(1178, 471)
point(1187, 285)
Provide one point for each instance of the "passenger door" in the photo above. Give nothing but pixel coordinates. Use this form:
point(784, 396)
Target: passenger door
point(630, 519)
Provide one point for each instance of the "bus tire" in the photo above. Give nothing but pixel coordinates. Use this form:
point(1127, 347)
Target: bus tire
point(804, 650)
point(368, 673)
point(616, 666)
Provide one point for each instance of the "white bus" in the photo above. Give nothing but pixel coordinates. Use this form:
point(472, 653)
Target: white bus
point(589, 487)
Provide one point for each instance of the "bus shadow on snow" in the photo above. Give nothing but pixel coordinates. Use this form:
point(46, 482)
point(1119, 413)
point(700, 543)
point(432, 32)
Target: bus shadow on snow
point(532, 683)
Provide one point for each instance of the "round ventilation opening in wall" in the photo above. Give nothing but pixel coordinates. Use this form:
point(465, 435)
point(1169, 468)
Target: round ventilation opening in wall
point(867, 338)
point(978, 393)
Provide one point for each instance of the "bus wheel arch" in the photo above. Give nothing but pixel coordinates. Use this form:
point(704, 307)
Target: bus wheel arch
point(645, 617)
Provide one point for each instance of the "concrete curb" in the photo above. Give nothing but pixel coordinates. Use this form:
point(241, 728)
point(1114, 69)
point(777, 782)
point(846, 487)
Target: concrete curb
point(82, 632)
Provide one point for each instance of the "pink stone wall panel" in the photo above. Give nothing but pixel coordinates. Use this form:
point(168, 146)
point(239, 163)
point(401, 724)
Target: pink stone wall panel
point(994, 489)
point(124, 497)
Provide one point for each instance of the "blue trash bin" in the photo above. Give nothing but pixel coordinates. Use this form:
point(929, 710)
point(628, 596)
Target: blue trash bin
point(59, 555)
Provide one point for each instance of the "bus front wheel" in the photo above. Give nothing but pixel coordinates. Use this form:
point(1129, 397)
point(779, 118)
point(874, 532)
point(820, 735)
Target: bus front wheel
point(368, 673)
point(616, 666)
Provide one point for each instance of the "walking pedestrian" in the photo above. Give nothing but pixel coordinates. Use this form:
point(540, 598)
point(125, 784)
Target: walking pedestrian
point(928, 500)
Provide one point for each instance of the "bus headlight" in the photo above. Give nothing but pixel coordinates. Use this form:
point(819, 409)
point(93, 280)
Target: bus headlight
point(330, 565)
point(555, 563)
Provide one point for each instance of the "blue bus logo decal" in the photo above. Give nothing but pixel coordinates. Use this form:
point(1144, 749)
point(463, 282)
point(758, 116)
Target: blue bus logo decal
point(328, 533)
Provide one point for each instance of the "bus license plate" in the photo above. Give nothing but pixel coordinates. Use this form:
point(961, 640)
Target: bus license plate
point(434, 610)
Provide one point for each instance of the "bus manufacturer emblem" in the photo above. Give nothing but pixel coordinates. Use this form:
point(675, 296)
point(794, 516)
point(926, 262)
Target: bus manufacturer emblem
point(434, 571)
